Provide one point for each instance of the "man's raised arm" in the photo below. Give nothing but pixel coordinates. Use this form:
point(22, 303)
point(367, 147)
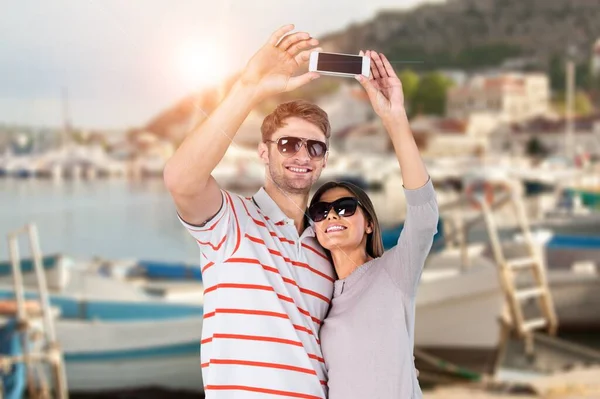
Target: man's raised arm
point(187, 174)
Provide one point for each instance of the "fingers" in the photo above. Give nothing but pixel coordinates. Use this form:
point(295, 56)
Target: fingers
point(301, 80)
point(379, 64)
point(374, 71)
point(304, 56)
point(292, 39)
point(279, 33)
point(388, 66)
point(301, 45)
point(368, 85)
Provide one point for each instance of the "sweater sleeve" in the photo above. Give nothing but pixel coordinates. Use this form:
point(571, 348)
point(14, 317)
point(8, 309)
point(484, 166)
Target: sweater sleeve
point(404, 262)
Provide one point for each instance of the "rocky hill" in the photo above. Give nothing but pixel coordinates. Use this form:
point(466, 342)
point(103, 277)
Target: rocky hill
point(472, 34)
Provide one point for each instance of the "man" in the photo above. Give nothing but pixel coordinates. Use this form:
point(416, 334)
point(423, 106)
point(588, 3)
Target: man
point(267, 282)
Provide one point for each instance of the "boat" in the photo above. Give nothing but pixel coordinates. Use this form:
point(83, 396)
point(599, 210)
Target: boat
point(570, 214)
point(115, 335)
point(459, 329)
point(391, 234)
point(458, 305)
point(116, 345)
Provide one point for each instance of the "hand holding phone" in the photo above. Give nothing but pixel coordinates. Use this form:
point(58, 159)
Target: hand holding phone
point(336, 64)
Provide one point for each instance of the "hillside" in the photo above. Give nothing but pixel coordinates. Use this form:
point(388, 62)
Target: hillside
point(472, 34)
point(463, 34)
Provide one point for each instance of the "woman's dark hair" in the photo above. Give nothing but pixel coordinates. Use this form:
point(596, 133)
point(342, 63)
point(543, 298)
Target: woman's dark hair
point(374, 240)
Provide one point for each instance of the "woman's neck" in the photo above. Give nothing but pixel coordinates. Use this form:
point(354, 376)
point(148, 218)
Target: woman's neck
point(346, 261)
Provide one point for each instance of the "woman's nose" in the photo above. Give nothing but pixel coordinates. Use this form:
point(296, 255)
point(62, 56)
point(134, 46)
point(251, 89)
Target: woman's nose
point(332, 215)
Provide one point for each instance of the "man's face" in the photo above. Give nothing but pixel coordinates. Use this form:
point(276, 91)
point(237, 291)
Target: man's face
point(295, 173)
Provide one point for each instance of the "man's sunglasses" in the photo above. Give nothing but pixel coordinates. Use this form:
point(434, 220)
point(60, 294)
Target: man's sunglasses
point(344, 207)
point(289, 146)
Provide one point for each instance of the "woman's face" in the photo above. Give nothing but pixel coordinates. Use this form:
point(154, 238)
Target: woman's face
point(339, 231)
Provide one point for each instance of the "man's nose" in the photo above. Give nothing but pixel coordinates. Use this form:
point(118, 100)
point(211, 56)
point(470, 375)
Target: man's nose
point(302, 154)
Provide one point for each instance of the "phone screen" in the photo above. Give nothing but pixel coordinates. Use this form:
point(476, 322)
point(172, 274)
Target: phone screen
point(340, 63)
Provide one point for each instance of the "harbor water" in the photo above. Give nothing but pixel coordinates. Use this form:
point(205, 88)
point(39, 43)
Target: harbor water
point(111, 219)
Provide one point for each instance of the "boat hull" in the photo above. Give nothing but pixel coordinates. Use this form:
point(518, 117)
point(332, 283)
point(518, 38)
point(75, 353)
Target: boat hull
point(457, 311)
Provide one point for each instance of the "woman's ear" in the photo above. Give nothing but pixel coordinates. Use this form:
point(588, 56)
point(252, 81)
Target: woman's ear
point(369, 228)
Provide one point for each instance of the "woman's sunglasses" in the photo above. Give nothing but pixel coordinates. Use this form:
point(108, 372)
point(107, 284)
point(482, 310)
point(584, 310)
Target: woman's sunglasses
point(289, 146)
point(344, 207)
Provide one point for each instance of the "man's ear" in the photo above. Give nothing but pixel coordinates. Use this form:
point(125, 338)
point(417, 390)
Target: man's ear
point(325, 159)
point(263, 153)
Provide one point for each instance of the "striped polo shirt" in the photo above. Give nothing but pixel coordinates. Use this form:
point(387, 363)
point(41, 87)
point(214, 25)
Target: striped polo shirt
point(267, 291)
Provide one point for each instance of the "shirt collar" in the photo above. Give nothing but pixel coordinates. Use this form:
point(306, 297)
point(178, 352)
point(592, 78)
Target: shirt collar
point(341, 285)
point(309, 231)
point(269, 208)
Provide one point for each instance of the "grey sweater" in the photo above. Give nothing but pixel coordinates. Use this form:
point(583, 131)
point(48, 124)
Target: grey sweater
point(368, 336)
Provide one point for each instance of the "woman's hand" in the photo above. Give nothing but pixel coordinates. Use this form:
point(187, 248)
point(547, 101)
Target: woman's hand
point(384, 88)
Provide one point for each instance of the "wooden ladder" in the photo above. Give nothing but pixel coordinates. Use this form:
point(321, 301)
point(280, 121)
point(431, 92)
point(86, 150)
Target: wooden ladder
point(509, 269)
point(36, 326)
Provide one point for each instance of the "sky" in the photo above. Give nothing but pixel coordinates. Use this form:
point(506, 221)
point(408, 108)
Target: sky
point(120, 63)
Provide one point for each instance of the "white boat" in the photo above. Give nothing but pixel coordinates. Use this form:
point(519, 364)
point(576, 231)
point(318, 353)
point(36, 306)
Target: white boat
point(579, 221)
point(22, 166)
point(117, 345)
point(116, 336)
point(458, 308)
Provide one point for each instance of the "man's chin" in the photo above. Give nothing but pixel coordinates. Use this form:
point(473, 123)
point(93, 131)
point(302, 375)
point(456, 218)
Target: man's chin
point(299, 189)
point(298, 186)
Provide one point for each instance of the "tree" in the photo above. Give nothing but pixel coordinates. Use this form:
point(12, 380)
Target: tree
point(410, 84)
point(535, 148)
point(557, 73)
point(430, 97)
point(582, 105)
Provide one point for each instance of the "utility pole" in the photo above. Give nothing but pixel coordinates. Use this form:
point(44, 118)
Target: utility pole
point(569, 108)
point(570, 100)
point(66, 119)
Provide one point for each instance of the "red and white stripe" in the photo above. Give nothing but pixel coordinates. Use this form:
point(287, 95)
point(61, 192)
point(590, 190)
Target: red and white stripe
point(267, 292)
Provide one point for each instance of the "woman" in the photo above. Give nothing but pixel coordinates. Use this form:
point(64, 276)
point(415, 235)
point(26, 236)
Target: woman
point(368, 335)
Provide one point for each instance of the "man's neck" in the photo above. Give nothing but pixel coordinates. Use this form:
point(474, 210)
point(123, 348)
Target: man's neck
point(292, 205)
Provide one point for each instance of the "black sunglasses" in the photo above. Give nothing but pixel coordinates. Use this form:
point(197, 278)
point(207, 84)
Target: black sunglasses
point(344, 207)
point(289, 146)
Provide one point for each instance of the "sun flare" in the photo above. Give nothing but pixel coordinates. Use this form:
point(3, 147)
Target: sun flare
point(202, 64)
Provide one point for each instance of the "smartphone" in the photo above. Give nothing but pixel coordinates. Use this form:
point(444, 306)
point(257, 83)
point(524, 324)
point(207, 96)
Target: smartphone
point(339, 64)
